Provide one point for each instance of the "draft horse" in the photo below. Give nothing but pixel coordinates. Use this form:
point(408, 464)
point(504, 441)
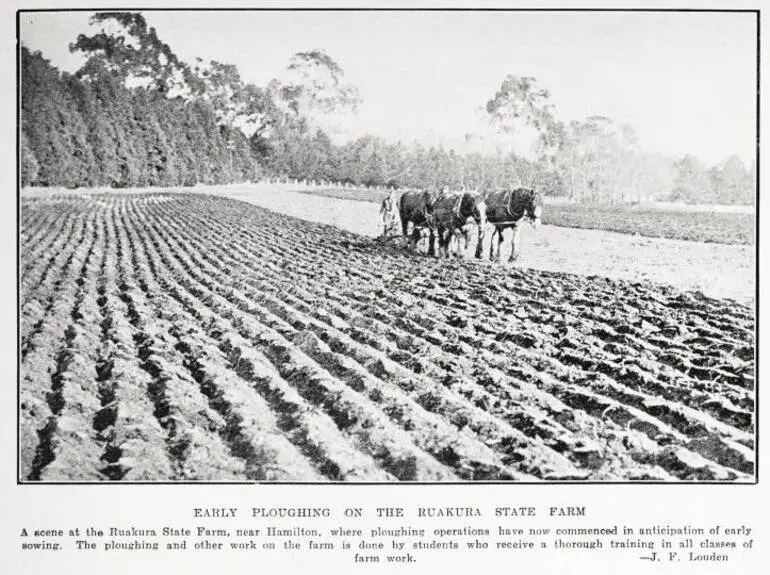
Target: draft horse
point(507, 209)
point(452, 212)
point(416, 208)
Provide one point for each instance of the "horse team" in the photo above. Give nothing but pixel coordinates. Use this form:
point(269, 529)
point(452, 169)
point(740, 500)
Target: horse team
point(447, 216)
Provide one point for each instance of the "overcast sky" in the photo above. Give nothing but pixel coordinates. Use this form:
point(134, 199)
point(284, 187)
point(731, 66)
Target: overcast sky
point(685, 81)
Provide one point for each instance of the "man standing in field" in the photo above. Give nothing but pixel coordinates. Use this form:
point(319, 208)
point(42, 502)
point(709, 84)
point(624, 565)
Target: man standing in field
point(389, 215)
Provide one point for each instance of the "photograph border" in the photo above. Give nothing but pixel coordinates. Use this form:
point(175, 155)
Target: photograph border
point(756, 11)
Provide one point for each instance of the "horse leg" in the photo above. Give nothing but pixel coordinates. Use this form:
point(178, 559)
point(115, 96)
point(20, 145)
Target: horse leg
point(416, 237)
point(499, 243)
point(432, 243)
point(443, 242)
point(448, 236)
point(465, 241)
point(492, 245)
point(450, 243)
point(405, 232)
point(462, 242)
point(479, 241)
point(514, 240)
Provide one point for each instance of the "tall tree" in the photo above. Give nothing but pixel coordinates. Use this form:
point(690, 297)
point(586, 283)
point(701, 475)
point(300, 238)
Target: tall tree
point(102, 134)
point(29, 165)
point(597, 160)
point(237, 105)
point(691, 183)
point(521, 109)
point(730, 182)
point(316, 82)
point(53, 125)
point(314, 92)
point(131, 50)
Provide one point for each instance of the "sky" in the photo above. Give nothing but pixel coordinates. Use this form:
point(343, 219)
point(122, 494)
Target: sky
point(685, 81)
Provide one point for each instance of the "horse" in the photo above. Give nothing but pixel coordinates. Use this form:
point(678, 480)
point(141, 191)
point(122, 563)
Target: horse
point(506, 209)
point(416, 208)
point(452, 212)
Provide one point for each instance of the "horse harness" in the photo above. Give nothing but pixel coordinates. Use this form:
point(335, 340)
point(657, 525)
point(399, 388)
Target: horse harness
point(456, 211)
point(427, 216)
point(508, 209)
point(458, 206)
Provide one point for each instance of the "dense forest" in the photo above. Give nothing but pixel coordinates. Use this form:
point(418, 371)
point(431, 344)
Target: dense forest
point(135, 115)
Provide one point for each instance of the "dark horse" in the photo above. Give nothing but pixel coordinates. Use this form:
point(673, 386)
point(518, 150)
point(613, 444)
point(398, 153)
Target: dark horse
point(507, 209)
point(451, 213)
point(416, 208)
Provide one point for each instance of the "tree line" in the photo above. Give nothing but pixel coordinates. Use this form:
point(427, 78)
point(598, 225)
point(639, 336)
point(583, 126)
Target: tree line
point(135, 115)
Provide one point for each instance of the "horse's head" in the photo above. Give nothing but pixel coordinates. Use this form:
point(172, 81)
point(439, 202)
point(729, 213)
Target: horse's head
point(534, 208)
point(474, 206)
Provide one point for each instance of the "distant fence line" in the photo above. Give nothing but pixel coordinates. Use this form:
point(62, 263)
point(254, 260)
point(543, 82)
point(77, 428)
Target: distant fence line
point(307, 183)
point(310, 183)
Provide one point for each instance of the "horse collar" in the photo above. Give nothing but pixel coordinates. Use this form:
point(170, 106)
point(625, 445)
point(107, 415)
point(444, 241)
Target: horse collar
point(510, 203)
point(458, 207)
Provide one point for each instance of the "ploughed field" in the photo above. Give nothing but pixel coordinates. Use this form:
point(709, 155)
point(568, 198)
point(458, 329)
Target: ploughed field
point(189, 337)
